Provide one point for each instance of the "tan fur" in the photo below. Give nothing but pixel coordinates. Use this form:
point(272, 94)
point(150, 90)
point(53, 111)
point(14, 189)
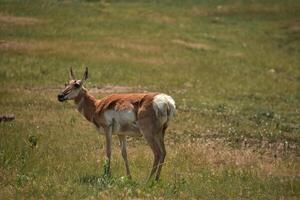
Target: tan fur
point(146, 121)
point(92, 109)
point(118, 102)
point(87, 106)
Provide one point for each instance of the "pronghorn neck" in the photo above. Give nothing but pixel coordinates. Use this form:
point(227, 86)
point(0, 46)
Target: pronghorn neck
point(86, 104)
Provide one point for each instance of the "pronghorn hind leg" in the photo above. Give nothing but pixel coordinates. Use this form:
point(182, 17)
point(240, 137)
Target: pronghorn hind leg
point(164, 130)
point(160, 141)
point(151, 128)
point(157, 155)
point(150, 137)
point(122, 139)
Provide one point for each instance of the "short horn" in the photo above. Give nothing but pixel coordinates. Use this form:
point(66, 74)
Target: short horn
point(85, 75)
point(72, 76)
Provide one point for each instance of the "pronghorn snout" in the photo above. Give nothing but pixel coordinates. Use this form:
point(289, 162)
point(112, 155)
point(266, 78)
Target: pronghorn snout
point(61, 97)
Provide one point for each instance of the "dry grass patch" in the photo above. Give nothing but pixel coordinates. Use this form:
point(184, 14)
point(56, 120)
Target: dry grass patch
point(293, 27)
point(109, 89)
point(14, 20)
point(160, 18)
point(236, 54)
point(88, 49)
point(134, 46)
point(20, 46)
point(217, 154)
point(151, 61)
point(239, 9)
point(65, 48)
point(192, 45)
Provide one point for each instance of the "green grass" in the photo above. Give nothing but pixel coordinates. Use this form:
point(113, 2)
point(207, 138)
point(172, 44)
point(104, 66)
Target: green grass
point(232, 66)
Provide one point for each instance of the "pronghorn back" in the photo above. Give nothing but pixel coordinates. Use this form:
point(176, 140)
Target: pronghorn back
point(120, 102)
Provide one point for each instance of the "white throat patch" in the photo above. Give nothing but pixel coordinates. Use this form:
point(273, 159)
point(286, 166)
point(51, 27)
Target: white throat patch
point(79, 105)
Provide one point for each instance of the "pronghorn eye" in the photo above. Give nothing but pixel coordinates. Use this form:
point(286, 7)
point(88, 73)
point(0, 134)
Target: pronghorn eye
point(77, 85)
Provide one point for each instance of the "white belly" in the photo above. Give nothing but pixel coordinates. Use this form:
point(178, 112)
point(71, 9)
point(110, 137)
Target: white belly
point(123, 121)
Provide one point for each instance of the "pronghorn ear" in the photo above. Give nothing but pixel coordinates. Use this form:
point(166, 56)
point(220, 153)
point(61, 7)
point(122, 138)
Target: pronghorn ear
point(85, 75)
point(72, 76)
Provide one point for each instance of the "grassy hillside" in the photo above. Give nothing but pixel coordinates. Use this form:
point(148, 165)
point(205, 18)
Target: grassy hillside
point(232, 66)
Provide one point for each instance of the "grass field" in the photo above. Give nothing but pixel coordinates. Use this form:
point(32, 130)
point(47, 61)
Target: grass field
point(233, 68)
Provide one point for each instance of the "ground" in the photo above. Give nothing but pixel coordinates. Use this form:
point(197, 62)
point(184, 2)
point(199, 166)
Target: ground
point(232, 67)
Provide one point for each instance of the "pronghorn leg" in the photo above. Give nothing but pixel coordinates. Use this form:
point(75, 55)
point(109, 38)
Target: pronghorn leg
point(150, 127)
point(164, 130)
point(122, 139)
point(160, 140)
point(108, 137)
point(150, 137)
point(157, 154)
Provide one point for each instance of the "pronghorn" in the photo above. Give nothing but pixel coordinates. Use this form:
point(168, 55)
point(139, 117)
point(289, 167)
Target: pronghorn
point(135, 114)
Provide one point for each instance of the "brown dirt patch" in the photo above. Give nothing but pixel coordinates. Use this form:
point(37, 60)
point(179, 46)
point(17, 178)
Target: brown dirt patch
point(14, 20)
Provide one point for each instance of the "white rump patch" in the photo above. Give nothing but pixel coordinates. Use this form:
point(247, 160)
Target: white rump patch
point(164, 106)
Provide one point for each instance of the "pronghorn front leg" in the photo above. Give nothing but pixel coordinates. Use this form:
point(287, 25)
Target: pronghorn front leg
point(108, 137)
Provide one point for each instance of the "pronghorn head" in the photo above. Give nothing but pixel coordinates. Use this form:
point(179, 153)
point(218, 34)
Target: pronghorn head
point(73, 87)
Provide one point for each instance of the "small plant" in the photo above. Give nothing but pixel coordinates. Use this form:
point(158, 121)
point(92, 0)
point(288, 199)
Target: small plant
point(32, 139)
point(220, 108)
point(177, 184)
point(22, 180)
point(262, 115)
point(106, 170)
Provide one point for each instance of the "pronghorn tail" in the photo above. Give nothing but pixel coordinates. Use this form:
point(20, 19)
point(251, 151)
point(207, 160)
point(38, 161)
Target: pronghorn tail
point(164, 106)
